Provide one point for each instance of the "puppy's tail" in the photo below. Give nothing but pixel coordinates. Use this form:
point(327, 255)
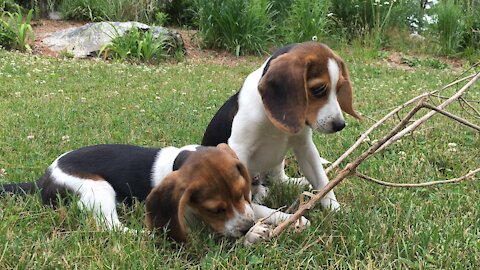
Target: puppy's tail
point(20, 188)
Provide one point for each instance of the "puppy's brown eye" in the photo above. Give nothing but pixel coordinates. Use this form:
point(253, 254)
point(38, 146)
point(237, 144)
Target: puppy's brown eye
point(320, 91)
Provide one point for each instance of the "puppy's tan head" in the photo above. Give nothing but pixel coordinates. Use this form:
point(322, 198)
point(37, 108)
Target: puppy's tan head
point(309, 84)
point(214, 184)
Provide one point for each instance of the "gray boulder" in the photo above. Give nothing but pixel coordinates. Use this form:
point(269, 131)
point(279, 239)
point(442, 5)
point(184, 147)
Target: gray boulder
point(87, 40)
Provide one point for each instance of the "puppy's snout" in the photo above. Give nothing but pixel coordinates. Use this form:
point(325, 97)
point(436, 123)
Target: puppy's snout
point(338, 125)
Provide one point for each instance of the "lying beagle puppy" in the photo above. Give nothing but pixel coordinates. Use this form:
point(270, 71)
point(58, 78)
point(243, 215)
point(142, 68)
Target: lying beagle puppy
point(207, 182)
point(299, 88)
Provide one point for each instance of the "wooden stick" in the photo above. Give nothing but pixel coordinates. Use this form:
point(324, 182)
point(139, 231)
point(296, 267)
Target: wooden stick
point(430, 114)
point(459, 119)
point(445, 97)
point(347, 171)
point(477, 115)
point(438, 90)
point(370, 130)
point(412, 185)
point(385, 118)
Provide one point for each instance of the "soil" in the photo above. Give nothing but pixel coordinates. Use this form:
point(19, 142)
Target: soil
point(194, 52)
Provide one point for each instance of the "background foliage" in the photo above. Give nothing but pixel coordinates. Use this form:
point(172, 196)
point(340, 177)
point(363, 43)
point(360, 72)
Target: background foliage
point(254, 27)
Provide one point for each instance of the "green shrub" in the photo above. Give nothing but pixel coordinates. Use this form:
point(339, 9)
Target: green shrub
point(238, 26)
point(8, 5)
point(139, 45)
point(281, 8)
point(369, 19)
point(472, 28)
point(180, 12)
point(306, 19)
point(15, 30)
point(450, 26)
point(7, 35)
point(111, 10)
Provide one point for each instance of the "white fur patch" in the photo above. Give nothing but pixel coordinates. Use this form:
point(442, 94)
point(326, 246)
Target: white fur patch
point(163, 163)
point(95, 195)
point(331, 112)
point(240, 222)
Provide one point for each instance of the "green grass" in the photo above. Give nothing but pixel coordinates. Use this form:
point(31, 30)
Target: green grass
point(43, 100)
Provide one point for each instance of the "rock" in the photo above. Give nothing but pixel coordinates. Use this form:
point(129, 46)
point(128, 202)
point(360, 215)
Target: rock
point(87, 40)
point(416, 37)
point(55, 15)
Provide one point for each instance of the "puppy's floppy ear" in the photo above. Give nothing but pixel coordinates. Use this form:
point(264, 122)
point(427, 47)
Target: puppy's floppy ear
point(283, 91)
point(244, 172)
point(345, 93)
point(226, 148)
point(165, 205)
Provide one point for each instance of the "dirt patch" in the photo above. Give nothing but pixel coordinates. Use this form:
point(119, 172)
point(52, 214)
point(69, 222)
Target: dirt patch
point(194, 52)
point(42, 27)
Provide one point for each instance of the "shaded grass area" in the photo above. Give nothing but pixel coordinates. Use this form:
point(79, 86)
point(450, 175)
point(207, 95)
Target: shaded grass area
point(49, 106)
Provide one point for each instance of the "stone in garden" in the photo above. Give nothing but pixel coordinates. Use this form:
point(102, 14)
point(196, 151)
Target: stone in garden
point(87, 40)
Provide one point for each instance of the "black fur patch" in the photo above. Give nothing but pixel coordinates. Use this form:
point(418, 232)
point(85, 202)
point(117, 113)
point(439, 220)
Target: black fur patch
point(220, 127)
point(126, 167)
point(277, 54)
point(180, 159)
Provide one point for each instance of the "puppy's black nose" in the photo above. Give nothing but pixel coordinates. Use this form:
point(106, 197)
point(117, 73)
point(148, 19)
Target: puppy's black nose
point(338, 125)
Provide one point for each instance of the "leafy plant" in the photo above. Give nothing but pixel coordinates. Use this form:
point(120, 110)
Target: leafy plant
point(161, 18)
point(66, 54)
point(149, 47)
point(136, 44)
point(435, 63)
point(17, 31)
point(8, 5)
point(450, 26)
point(369, 19)
point(306, 19)
point(472, 26)
point(112, 10)
point(238, 26)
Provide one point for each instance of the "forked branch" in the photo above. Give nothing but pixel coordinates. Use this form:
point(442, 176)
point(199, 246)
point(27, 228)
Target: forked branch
point(397, 132)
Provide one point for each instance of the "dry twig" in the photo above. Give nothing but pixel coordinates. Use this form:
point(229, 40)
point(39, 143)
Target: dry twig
point(397, 132)
point(347, 171)
point(424, 118)
point(459, 119)
point(388, 116)
point(424, 184)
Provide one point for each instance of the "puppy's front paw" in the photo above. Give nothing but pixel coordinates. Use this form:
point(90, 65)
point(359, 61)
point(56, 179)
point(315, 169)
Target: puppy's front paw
point(258, 233)
point(330, 204)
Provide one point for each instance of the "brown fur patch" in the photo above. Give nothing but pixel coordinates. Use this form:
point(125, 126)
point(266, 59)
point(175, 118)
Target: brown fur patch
point(87, 176)
point(213, 183)
point(285, 87)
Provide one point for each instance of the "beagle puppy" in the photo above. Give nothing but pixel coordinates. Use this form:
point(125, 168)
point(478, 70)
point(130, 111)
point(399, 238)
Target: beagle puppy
point(209, 183)
point(300, 88)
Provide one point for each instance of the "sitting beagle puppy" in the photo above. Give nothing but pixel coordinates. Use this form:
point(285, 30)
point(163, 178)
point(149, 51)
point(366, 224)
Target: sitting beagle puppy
point(207, 182)
point(299, 88)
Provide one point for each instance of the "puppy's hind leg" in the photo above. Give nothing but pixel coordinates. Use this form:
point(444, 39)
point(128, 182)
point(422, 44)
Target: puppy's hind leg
point(98, 196)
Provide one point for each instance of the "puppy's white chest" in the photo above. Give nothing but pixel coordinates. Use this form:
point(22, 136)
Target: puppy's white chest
point(268, 152)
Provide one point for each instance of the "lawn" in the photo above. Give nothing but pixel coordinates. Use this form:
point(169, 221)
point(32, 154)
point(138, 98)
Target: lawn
point(49, 106)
